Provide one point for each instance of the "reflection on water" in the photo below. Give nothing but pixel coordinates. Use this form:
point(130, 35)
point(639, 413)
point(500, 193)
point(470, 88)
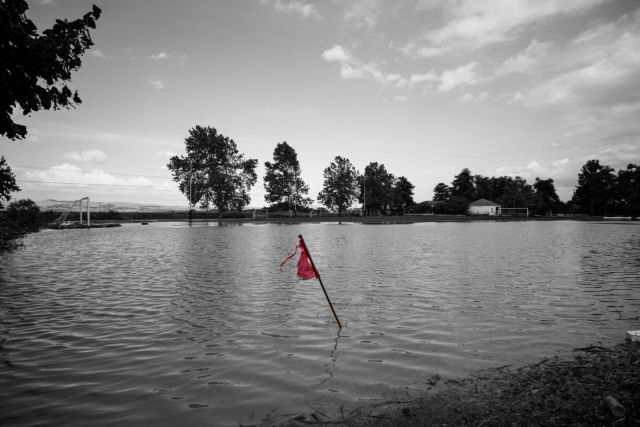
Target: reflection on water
point(167, 323)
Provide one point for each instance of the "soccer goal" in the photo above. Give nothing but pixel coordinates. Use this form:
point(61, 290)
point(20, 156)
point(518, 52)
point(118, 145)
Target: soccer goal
point(260, 214)
point(523, 212)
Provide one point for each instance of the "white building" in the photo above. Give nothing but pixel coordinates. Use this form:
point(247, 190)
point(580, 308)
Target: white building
point(484, 207)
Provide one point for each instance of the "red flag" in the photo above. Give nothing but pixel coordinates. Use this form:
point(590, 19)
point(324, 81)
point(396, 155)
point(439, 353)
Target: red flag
point(307, 270)
point(305, 266)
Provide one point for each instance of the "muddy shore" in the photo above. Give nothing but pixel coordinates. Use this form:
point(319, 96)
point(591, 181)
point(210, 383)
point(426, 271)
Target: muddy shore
point(592, 386)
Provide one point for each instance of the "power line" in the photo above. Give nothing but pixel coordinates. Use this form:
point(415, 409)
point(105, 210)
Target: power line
point(79, 184)
point(99, 185)
point(86, 170)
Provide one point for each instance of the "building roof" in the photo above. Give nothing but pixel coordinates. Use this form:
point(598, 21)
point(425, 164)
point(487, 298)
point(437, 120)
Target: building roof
point(483, 202)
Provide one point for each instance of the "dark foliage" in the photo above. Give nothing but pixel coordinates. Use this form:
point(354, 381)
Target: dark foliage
point(35, 68)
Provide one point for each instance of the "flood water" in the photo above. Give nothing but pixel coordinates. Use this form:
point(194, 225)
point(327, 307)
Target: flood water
point(166, 323)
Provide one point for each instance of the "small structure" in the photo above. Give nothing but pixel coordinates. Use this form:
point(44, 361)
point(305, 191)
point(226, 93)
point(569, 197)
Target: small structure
point(484, 207)
point(514, 212)
point(61, 221)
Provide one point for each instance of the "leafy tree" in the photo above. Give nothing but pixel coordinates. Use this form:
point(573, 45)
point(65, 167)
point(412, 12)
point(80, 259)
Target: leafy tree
point(36, 67)
point(628, 190)
point(403, 194)
point(340, 188)
point(214, 172)
point(499, 186)
point(422, 207)
point(21, 217)
point(517, 193)
point(378, 184)
point(24, 214)
point(441, 192)
point(7, 182)
point(452, 206)
point(282, 179)
point(484, 187)
point(547, 196)
point(462, 186)
point(594, 191)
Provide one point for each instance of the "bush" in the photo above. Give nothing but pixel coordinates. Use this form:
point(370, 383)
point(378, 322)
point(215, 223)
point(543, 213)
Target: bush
point(20, 218)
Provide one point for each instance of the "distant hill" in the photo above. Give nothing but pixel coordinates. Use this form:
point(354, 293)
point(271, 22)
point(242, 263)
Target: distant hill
point(62, 205)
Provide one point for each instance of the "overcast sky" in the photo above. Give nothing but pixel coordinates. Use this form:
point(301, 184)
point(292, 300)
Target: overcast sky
point(533, 88)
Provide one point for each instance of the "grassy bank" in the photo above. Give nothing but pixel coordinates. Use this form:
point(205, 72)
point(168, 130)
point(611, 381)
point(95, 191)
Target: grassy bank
point(594, 386)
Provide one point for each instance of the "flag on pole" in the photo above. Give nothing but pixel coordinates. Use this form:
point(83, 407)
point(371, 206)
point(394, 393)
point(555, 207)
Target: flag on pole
point(307, 270)
point(305, 266)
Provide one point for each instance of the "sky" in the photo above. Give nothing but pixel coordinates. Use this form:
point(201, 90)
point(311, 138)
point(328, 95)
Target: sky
point(529, 88)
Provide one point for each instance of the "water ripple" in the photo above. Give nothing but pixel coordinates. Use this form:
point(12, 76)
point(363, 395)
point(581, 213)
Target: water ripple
point(170, 324)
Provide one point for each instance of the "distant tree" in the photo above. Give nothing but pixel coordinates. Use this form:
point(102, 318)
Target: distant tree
point(462, 186)
point(378, 185)
point(547, 196)
point(499, 186)
point(7, 182)
point(21, 217)
point(516, 193)
point(484, 188)
point(452, 206)
point(36, 67)
point(24, 214)
point(403, 195)
point(340, 189)
point(441, 192)
point(214, 172)
point(422, 207)
point(595, 190)
point(282, 180)
point(628, 190)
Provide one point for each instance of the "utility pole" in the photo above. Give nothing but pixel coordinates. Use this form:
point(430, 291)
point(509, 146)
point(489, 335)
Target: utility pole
point(190, 213)
point(364, 192)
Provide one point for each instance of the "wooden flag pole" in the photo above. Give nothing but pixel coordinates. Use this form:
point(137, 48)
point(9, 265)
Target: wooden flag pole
point(319, 279)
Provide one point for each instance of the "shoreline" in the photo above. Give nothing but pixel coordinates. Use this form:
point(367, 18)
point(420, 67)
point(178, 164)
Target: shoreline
point(398, 219)
point(590, 386)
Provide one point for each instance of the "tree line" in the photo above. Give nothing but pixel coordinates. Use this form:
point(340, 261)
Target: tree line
point(213, 173)
point(599, 191)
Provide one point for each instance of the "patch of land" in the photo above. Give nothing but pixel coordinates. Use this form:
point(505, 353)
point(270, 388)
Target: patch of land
point(594, 386)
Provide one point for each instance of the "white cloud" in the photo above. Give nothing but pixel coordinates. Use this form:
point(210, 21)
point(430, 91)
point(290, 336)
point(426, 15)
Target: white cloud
point(174, 59)
point(363, 12)
point(302, 8)
point(429, 77)
point(97, 53)
point(475, 98)
point(525, 61)
point(461, 76)
point(600, 67)
point(564, 173)
point(336, 54)
point(472, 24)
point(353, 68)
point(72, 174)
point(161, 55)
point(166, 154)
point(156, 82)
point(86, 156)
